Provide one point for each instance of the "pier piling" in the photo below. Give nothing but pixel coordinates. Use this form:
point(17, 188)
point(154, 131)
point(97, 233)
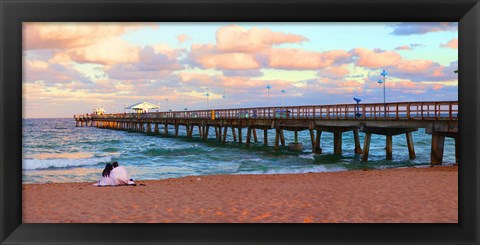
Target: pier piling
point(388, 148)
point(437, 149)
point(265, 137)
point(318, 149)
point(234, 134)
point(366, 147)
point(411, 149)
point(358, 149)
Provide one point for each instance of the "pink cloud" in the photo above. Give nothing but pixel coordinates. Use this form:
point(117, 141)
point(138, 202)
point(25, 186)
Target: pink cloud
point(106, 52)
point(404, 47)
point(451, 44)
point(375, 58)
point(407, 86)
point(334, 72)
point(234, 38)
point(150, 65)
point(49, 73)
point(55, 35)
point(207, 56)
point(291, 58)
point(183, 38)
point(239, 83)
point(423, 70)
point(414, 66)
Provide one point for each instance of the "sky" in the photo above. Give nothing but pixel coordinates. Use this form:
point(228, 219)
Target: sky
point(72, 68)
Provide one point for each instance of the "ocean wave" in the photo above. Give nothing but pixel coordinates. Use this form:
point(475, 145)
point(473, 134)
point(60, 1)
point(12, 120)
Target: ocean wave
point(314, 169)
point(173, 151)
point(32, 164)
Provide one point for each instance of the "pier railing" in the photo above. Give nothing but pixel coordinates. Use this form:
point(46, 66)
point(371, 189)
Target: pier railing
point(441, 110)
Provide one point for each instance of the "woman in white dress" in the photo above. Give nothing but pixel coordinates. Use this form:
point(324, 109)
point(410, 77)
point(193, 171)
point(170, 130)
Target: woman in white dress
point(107, 177)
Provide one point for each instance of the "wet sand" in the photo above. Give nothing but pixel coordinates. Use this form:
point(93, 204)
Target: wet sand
point(406, 195)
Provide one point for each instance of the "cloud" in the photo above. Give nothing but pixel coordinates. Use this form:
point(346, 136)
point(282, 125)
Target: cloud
point(183, 38)
point(297, 59)
point(150, 65)
point(235, 38)
point(229, 53)
point(207, 56)
point(243, 73)
point(450, 44)
point(51, 73)
point(106, 52)
point(423, 70)
point(334, 72)
point(404, 47)
point(409, 47)
point(56, 35)
point(407, 86)
point(416, 28)
point(375, 58)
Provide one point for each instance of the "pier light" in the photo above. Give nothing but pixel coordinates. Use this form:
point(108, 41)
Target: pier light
point(384, 74)
point(283, 94)
point(207, 94)
point(268, 93)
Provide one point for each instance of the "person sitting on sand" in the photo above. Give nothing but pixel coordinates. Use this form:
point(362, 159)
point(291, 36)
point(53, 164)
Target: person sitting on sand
point(107, 176)
point(120, 175)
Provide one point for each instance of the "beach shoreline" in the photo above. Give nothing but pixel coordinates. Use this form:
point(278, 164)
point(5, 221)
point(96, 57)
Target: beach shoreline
point(401, 195)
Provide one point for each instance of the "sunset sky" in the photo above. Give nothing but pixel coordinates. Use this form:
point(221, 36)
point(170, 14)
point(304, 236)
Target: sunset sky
point(71, 68)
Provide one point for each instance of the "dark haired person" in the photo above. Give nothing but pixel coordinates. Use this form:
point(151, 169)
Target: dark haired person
point(120, 174)
point(107, 177)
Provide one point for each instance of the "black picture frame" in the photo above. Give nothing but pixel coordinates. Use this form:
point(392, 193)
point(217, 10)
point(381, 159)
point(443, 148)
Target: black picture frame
point(14, 12)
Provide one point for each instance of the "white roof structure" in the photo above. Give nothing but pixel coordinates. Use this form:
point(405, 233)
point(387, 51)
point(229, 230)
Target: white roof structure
point(99, 110)
point(142, 106)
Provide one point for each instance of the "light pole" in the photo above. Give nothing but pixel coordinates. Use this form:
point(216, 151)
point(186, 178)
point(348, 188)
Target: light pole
point(123, 109)
point(207, 94)
point(268, 92)
point(384, 74)
point(283, 95)
point(166, 102)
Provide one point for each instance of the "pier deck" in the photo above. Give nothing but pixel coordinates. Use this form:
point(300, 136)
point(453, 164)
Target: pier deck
point(439, 118)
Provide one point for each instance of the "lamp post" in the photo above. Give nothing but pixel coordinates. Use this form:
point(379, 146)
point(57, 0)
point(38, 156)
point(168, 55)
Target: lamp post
point(384, 74)
point(166, 102)
point(268, 93)
point(123, 109)
point(207, 94)
point(283, 95)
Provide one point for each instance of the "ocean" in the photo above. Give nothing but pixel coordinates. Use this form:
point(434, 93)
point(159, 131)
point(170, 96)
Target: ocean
point(54, 151)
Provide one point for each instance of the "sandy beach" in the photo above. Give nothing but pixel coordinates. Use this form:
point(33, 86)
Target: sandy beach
point(375, 196)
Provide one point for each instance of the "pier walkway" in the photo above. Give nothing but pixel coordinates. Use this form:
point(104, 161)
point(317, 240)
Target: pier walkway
point(439, 118)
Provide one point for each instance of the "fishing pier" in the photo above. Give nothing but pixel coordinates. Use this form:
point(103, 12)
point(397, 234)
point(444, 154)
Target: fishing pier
point(439, 119)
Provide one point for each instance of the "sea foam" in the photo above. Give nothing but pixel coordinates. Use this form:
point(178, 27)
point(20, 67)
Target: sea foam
point(314, 169)
point(32, 164)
